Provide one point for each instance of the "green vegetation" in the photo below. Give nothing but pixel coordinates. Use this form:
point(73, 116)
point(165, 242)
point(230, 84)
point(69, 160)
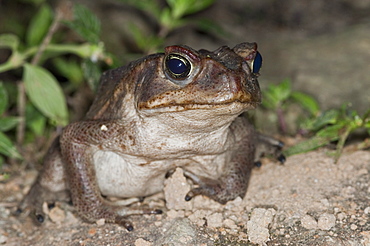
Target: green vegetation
point(334, 125)
point(168, 18)
point(38, 102)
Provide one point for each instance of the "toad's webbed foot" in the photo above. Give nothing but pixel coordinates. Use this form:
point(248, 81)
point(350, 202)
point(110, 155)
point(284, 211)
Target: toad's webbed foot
point(33, 202)
point(270, 147)
point(230, 185)
point(120, 215)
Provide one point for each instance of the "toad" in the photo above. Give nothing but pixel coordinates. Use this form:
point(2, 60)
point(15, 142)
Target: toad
point(181, 108)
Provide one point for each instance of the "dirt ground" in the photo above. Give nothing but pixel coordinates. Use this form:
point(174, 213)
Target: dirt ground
point(309, 200)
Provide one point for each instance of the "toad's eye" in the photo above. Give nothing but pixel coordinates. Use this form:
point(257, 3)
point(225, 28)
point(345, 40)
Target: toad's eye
point(257, 63)
point(177, 66)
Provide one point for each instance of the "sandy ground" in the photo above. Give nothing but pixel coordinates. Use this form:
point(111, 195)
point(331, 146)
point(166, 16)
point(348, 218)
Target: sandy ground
point(309, 200)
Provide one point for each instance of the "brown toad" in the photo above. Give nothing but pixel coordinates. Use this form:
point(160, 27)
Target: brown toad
point(174, 109)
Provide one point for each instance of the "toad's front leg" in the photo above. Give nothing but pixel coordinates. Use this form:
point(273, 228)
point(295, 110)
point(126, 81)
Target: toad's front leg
point(78, 142)
point(234, 180)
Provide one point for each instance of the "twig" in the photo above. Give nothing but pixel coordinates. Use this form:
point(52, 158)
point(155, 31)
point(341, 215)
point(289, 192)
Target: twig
point(281, 120)
point(21, 107)
point(46, 41)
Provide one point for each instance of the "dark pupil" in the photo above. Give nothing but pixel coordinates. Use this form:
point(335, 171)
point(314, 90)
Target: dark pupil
point(257, 63)
point(178, 67)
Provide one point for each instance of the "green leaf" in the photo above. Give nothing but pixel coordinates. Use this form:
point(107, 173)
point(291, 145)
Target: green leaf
point(306, 101)
point(184, 7)
point(275, 95)
point(283, 90)
point(39, 25)
point(9, 41)
point(322, 138)
point(332, 132)
point(7, 123)
point(148, 6)
point(146, 42)
point(35, 121)
point(3, 98)
point(45, 93)
point(307, 145)
point(166, 17)
point(328, 117)
point(70, 69)
point(85, 23)
point(7, 147)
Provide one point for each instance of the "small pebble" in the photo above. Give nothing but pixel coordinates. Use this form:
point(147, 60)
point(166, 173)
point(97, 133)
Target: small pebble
point(309, 222)
point(57, 215)
point(230, 224)
point(353, 227)
point(215, 220)
point(326, 221)
point(257, 226)
point(100, 222)
point(142, 242)
point(3, 239)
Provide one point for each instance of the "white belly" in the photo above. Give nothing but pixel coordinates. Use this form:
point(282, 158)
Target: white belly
point(130, 176)
point(125, 176)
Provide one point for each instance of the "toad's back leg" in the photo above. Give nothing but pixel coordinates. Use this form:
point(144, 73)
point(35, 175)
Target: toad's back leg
point(50, 185)
point(77, 145)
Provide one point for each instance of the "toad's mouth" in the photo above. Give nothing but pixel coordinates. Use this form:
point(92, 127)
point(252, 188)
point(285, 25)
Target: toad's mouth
point(181, 101)
point(232, 107)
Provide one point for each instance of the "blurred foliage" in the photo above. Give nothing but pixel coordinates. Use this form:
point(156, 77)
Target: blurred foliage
point(32, 50)
point(334, 125)
point(7, 123)
point(170, 17)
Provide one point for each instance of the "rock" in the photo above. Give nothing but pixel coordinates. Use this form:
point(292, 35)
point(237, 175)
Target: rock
point(199, 217)
point(3, 239)
point(215, 220)
point(326, 221)
point(309, 222)
point(179, 232)
point(57, 215)
point(100, 222)
point(142, 242)
point(257, 226)
point(230, 224)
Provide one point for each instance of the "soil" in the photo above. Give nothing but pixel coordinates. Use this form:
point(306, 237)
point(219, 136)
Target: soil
point(310, 200)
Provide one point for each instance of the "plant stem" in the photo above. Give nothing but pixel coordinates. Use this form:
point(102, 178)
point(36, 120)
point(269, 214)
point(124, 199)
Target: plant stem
point(342, 139)
point(281, 120)
point(45, 42)
point(21, 107)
